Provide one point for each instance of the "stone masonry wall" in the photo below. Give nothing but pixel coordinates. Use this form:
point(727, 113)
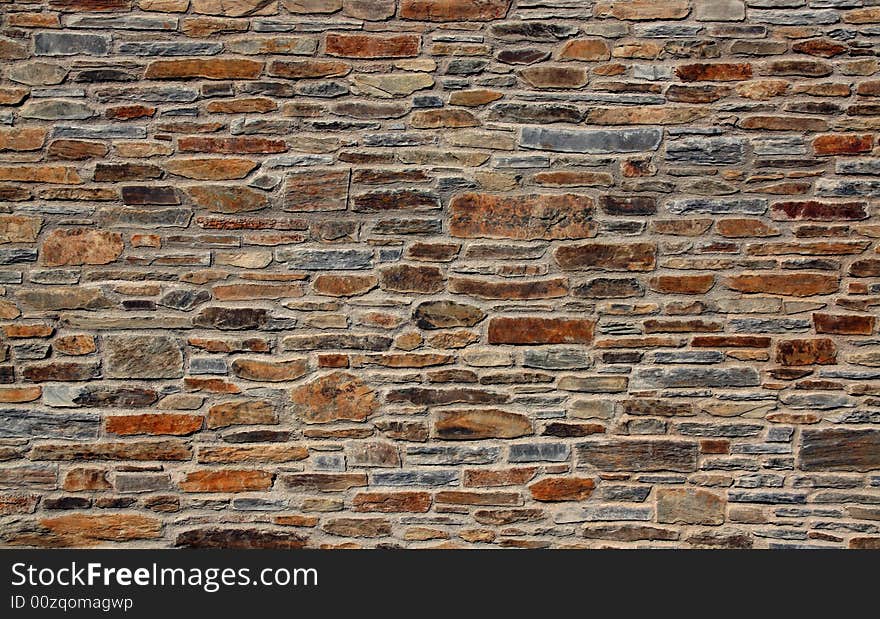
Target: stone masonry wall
point(458, 273)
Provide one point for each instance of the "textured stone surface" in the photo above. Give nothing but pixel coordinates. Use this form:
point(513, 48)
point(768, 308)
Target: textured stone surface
point(839, 450)
point(78, 247)
point(565, 216)
point(142, 356)
point(462, 273)
point(334, 397)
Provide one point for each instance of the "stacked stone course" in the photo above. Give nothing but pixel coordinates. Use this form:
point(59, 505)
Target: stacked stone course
point(439, 273)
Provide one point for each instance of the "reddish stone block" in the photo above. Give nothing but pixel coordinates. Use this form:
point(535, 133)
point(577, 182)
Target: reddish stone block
point(843, 144)
point(154, 423)
point(844, 324)
point(214, 69)
point(806, 352)
point(714, 72)
point(228, 480)
point(453, 10)
point(563, 489)
point(372, 46)
point(533, 330)
point(528, 217)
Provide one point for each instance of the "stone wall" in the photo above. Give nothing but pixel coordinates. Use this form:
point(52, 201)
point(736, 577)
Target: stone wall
point(464, 273)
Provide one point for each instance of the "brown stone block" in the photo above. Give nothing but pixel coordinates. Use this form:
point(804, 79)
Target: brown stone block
point(540, 331)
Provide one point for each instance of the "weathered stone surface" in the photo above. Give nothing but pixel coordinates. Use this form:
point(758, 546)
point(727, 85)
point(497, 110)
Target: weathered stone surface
point(234, 145)
point(835, 144)
point(607, 257)
point(720, 10)
point(536, 216)
point(563, 489)
point(399, 199)
point(270, 371)
point(275, 453)
point(64, 298)
point(706, 151)
point(453, 10)
point(585, 49)
point(409, 278)
point(593, 384)
point(56, 175)
point(641, 9)
point(344, 285)
point(556, 359)
point(714, 72)
point(138, 451)
point(541, 289)
point(176, 425)
point(844, 324)
point(231, 318)
point(227, 199)
point(57, 109)
point(235, 8)
point(390, 85)
point(841, 449)
point(335, 396)
point(20, 423)
point(321, 190)
point(372, 46)
point(142, 356)
point(80, 530)
point(215, 69)
point(539, 452)
point(637, 455)
point(240, 539)
point(210, 169)
point(358, 527)
point(814, 210)
point(19, 228)
point(682, 284)
point(791, 284)
point(22, 139)
point(654, 378)
point(373, 342)
point(609, 288)
point(69, 44)
point(629, 533)
point(422, 396)
point(554, 76)
point(628, 205)
point(869, 267)
point(80, 246)
point(820, 351)
point(326, 259)
point(480, 424)
point(540, 331)
point(717, 206)
point(392, 502)
point(241, 412)
point(38, 73)
point(229, 480)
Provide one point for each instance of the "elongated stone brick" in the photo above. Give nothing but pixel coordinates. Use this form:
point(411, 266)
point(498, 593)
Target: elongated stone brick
point(591, 141)
point(566, 216)
point(637, 455)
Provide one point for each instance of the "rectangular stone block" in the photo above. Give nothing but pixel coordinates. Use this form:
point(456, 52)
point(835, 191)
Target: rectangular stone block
point(637, 455)
point(839, 449)
point(591, 141)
